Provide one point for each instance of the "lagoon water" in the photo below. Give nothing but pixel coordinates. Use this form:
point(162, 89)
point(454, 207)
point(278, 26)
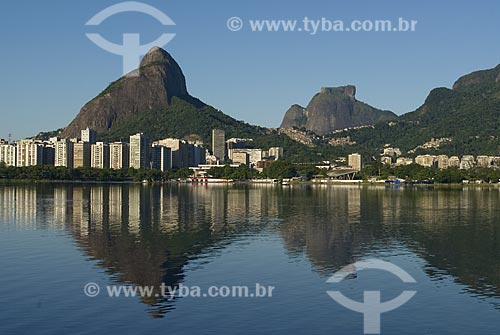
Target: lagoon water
point(56, 238)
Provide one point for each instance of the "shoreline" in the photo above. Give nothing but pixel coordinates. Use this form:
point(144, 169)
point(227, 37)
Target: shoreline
point(249, 182)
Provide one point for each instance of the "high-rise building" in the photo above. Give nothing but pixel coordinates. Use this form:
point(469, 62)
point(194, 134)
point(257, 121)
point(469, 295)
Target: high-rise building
point(30, 152)
point(219, 143)
point(179, 151)
point(184, 154)
point(89, 135)
point(199, 155)
point(8, 153)
point(354, 161)
point(161, 158)
point(99, 155)
point(63, 153)
point(49, 154)
point(139, 151)
point(119, 153)
point(81, 154)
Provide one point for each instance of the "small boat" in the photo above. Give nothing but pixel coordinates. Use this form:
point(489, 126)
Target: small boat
point(206, 180)
point(264, 181)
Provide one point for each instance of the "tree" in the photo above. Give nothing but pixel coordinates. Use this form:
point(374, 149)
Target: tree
point(280, 169)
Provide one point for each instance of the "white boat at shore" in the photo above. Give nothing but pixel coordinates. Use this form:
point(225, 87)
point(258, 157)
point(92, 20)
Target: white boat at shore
point(264, 181)
point(206, 180)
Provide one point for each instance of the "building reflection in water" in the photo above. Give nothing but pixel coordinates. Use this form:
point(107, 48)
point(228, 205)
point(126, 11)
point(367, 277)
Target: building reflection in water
point(146, 235)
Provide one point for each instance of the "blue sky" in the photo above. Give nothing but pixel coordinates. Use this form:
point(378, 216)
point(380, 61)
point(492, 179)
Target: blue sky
point(49, 69)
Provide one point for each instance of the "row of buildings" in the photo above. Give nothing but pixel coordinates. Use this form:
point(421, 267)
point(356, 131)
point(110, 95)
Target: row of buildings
point(444, 162)
point(393, 156)
point(139, 152)
point(240, 151)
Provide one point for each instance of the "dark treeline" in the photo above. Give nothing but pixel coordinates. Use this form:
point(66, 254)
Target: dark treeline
point(49, 172)
point(277, 170)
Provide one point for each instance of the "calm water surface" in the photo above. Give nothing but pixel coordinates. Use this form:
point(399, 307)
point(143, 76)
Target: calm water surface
point(54, 239)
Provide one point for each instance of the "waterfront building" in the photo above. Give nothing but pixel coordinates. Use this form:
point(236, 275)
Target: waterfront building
point(81, 154)
point(484, 161)
point(443, 162)
point(8, 153)
point(119, 153)
point(179, 151)
point(354, 161)
point(426, 160)
point(161, 158)
point(199, 155)
point(467, 162)
point(276, 153)
point(100, 155)
point(63, 152)
point(454, 161)
point(30, 152)
point(241, 158)
point(219, 143)
point(139, 151)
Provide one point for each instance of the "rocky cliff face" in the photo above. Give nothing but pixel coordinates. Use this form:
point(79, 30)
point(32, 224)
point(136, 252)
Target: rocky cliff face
point(158, 79)
point(487, 78)
point(332, 109)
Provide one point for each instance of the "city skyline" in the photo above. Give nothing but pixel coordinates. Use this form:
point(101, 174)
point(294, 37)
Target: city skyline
point(138, 153)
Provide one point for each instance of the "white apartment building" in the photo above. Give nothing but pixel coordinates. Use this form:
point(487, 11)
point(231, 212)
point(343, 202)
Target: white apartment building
point(119, 153)
point(29, 153)
point(138, 152)
point(99, 155)
point(63, 153)
point(354, 161)
point(8, 154)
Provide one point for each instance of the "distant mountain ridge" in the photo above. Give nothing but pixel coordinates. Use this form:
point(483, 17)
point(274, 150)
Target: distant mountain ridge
point(468, 114)
point(156, 101)
point(334, 108)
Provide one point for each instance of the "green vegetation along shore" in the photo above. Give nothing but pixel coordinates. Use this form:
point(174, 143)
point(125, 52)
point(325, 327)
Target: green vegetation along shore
point(277, 170)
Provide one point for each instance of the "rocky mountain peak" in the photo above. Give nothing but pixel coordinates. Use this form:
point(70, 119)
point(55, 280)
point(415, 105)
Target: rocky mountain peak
point(158, 79)
point(156, 56)
point(477, 78)
point(334, 108)
point(349, 90)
